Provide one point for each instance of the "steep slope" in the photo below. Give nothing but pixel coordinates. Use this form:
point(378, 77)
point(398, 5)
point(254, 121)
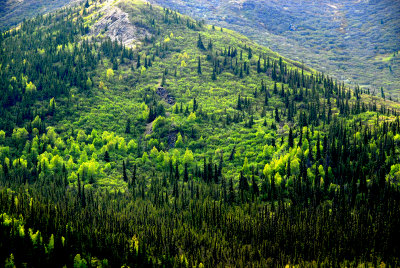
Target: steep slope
point(13, 12)
point(136, 134)
point(356, 41)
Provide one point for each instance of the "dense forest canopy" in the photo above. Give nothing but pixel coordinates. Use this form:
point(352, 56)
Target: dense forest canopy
point(177, 143)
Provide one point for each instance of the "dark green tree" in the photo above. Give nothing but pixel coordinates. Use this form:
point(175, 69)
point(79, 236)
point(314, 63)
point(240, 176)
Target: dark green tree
point(199, 66)
point(128, 126)
point(291, 138)
point(107, 157)
point(200, 44)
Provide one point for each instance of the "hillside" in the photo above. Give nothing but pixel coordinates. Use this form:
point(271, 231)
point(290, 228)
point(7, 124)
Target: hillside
point(13, 12)
point(134, 135)
point(355, 41)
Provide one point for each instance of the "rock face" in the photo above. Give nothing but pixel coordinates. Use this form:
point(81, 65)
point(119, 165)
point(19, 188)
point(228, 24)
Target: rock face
point(115, 24)
point(172, 138)
point(164, 94)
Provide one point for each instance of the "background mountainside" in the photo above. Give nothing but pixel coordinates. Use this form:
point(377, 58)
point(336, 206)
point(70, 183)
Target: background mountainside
point(134, 133)
point(13, 12)
point(356, 41)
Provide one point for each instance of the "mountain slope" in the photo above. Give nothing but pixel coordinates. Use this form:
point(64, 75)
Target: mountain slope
point(13, 12)
point(356, 41)
point(136, 134)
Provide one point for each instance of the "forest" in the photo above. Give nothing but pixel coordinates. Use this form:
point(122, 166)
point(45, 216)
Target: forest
point(186, 145)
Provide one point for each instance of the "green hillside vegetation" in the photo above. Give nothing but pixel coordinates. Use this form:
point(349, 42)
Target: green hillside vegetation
point(186, 145)
point(343, 38)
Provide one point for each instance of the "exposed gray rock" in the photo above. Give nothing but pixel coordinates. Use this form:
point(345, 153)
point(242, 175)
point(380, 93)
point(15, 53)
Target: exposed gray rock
point(164, 94)
point(115, 24)
point(172, 135)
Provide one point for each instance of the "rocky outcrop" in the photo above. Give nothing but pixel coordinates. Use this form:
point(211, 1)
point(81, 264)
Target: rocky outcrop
point(115, 24)
point(164, 94)
point(172, 138)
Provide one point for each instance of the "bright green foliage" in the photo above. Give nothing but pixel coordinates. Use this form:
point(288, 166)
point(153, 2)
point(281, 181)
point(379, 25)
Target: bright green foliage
point(20, 135)
point(190, 141)
point(79, 262)
point(2, 137)
point(30, 87)
point(110, 74)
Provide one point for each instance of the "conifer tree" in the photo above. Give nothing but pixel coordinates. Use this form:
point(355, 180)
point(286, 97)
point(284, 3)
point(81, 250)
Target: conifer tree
point(239, 103)
point(186, 173)
point(138, 62)
point(134, 175)
point(106, 157)
point(214, 75)
point(199, 66)
point(290, 138)
point(124, 176)
point(250, 53)
point(200, 44)
point(128, 126)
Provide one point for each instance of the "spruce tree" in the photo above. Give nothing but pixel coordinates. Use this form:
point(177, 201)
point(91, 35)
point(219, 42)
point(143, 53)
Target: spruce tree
point(134, 178)
point(124, 176)
point(138, 62)
point(128, 126)
point(106, 157)
point(186, 173)
point(291, 139)
point(199, 66)
point(250, 53)
point(200, 44)
point(239, 103)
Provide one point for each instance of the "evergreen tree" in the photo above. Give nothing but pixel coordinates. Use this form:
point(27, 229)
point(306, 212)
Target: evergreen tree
point(199, 66)
point(243, 184)
point(214, 75)
point(124, 176)
point(200, 44)
point(275, 89)
point(176, 171)
point(291, 138)
point(138, 62)
point(250, 53)
point(134, 178)
point(210, 45)
point(107, 157)
point(239, 103)
point(186, 173)
point(128, 126)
